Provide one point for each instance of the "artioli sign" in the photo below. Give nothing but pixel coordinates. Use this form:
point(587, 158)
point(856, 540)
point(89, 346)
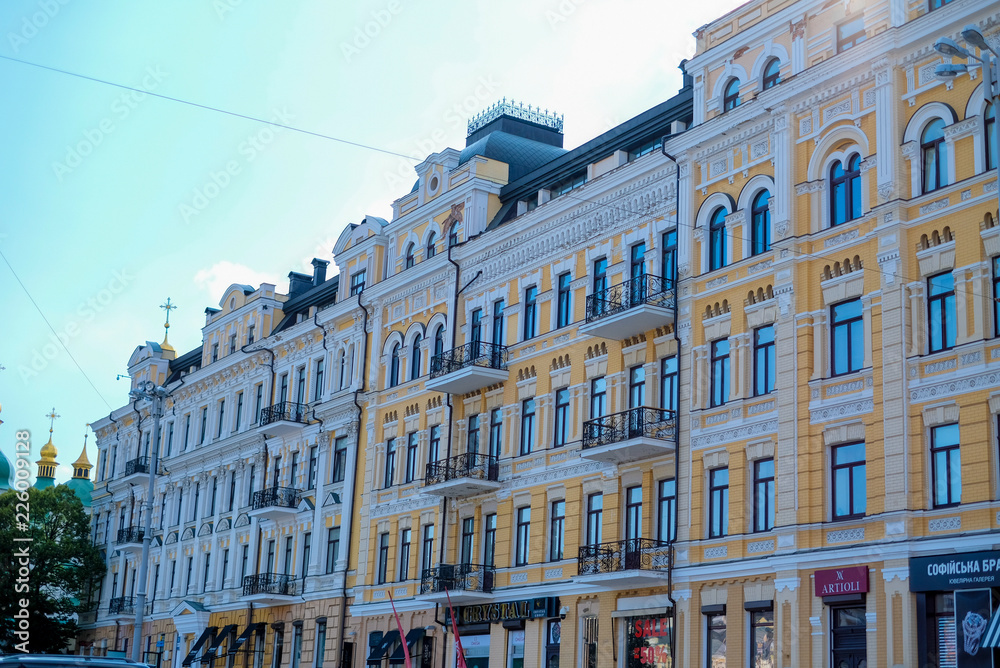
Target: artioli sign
point(839, 581)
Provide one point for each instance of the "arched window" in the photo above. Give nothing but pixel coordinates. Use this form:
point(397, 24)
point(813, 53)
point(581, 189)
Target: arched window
point(760, 224)
point(415, 360)
point(394, 366)
point(343, 369)
point(436, 361)
point(772, 74)
point(731, 96)
point(717, 240)
point(990, 130)
point(932, 156)
point(410, 260)
point(845, 191)
point(431, 249)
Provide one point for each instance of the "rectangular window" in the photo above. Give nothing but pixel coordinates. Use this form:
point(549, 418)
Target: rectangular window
point(523, 535)
point(170, 436)
point(270, 556)
point(763, 495)
point(332, 548)
point(258, 402)
point(215, 493)
point(530, 313)
point(472, 438)
point(496, 433)
point(390, 463)
point(498, 333)
point(527, 426)
point(279, 643)
point(306, 554)
point(598, 398)
point(232, 344)
point(411, 457)
point(595, 518)
point(357, 282)
point(557, 531)
point(600, 280)
point(283, 388)
point(489, 539)
point(427, 547)
point(667, 530)
point(239, 411)
point(244, 562)
point(208, 571)
point(468, 536)
point(716, 650)
point(633, 512)
point(762, 638)
point(187, 433)
point(250, 483)
point(383, 557)
point(300, 385)
point(197, 497)
point(941, 319)
point(204, 425)
point(668, 384)
point(850, 33)
point(847, 337)
point(996, 303)
point(764, 360)
point(434, 444)
point(318, 379)
point(313, 465)
point(293, 470)
point(946, 466)
point(718, 502)
point(669, 259)
point(476, 328)
point(562, 418)
point(404, 555)
point(289, 562)
point(850, 497)
point(250, 333)
point(637, 386)
point(720, 372)
point(339, 459)
point(563, 300)
point(215, 352)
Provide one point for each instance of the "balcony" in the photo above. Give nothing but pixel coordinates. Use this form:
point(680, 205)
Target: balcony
point(130, 540)
point(282, 418)
point(463, 475)
point(630, 308)
point(270, 589)
point(121, 608)
point(275, 503)
point(631, 563)
point(136, 471)
point(468, 368)
point(630, 436)
point(466, 584)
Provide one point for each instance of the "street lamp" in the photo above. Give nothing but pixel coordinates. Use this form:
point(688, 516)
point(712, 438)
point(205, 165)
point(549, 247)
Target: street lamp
point(157, 394)
point(988, 58)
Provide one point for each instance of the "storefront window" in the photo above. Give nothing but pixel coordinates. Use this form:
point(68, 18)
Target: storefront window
point(762, 639)
point(848, 642)
point(477, 651)
point(942, 640)
point(648, 642)
point(716, 656)
point(515, 641)
point(590, 642)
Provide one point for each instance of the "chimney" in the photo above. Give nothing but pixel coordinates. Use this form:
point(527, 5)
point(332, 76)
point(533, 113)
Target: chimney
point(319, 270)
point(298, 283)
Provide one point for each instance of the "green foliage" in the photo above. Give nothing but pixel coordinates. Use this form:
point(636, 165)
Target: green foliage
point(65, 568)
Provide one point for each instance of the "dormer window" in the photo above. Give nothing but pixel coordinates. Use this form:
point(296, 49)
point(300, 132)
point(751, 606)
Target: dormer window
point(850, 33)
point(731, 95)
point(431, 249)
point(357, 282)
point(232, 344)
point(772, 74)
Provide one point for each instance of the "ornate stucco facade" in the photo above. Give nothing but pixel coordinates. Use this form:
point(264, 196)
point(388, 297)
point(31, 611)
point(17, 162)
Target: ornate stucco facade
point(727, 371)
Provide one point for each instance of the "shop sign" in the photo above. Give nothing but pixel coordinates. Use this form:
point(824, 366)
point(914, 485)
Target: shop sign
point(648, 642)
point(840, 581)
point(494, 613)
point(948, 572)
point(972, 616)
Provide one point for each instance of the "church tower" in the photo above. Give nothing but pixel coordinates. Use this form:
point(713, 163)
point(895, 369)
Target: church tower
point(46, 476)
point(80, 483)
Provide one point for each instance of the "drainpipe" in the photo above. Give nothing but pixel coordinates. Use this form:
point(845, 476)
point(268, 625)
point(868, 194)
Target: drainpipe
point(677, 455)
point(357, 458)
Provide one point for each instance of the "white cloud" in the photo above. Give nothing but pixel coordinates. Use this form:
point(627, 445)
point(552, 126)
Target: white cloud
point(214, 280)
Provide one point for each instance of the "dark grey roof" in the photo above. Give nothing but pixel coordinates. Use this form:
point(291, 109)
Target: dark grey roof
point(522, 155)
point(320, 296)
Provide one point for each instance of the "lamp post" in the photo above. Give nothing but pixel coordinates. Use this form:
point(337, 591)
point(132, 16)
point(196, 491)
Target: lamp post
point(988, 58)
point(156, 394)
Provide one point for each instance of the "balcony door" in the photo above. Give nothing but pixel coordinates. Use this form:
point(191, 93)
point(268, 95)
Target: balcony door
point(633, 527)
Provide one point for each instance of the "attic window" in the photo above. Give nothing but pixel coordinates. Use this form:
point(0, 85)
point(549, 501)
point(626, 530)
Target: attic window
point(434, 183)
point(232, 303)
point(644, 148)
point(569, 183)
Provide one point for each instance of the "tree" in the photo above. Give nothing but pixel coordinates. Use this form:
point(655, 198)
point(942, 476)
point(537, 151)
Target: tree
point(64, 568)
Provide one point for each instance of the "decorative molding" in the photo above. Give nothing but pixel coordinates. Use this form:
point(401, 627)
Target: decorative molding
point(845, 535)
point(553, 573)
point(518, 578)
point(945, 524)
point(953, 387)
point(843, 410)
point(717, 552)
point(760, 546)
point(736, 434)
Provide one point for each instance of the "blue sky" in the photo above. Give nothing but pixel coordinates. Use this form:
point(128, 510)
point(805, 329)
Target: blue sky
point(111, 201)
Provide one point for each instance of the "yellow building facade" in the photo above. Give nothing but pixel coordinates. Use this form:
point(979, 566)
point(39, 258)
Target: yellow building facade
point(718, 387)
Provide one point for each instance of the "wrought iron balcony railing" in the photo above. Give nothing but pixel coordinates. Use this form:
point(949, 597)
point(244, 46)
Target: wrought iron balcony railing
point(131, 535)
point(123, 605)
point(644, 289)
point(474, 353)
point(137, 465)
point(658, 423)
point(270, 583)
point(275, 497)
point(458, 577)
point(624, 555)
point(467, 465)
point(288, 411)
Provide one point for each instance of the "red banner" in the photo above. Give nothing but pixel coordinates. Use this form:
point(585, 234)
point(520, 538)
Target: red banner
point(839, 581)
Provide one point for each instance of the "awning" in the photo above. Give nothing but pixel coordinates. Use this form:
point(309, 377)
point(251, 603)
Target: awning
point(412, 637)
point(243, 637)
point(220, 637)
point(379, 651)
point(991, 638)
point(202, 639)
